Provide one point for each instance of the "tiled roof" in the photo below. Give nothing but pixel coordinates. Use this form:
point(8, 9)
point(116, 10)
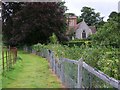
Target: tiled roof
point(93, 29)
point(72, 17)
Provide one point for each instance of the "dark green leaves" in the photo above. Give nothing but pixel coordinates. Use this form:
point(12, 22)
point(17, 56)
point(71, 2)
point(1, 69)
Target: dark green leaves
point(33, 22)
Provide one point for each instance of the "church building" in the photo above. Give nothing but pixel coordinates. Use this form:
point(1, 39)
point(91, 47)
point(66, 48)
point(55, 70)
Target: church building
point(80, 30)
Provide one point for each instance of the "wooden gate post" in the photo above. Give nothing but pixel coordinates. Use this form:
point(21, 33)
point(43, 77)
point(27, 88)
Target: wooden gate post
point(79, 78)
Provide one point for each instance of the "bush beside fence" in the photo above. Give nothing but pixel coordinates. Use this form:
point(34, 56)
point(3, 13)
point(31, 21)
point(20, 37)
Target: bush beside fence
point(76, 73)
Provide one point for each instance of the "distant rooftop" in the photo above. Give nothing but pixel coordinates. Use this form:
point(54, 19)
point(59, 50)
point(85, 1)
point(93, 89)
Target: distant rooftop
point(72, 17)
point(93, 29)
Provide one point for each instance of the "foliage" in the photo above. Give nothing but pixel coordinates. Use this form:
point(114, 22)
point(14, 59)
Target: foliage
point(114, 16)
point(78, 42)
point(91, 17)
point(109, 33)
point(31, 23)
point(53, 39)
point(103, 58)
point(8, 9)
point(79, 19)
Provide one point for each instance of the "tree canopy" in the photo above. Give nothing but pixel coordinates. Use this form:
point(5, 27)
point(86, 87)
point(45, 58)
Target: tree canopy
point(31, 23)
point(91, 17)
point(114, 16)
point(109, 33)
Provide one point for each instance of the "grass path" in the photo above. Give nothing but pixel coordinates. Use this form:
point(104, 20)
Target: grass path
point(30, 72)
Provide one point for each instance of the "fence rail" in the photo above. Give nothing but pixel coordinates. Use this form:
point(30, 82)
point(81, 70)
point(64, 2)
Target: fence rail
point(115, 83)
point(76, 73)
point(9, 56)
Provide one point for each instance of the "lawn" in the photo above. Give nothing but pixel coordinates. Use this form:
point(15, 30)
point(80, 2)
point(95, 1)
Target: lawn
point(30, 71)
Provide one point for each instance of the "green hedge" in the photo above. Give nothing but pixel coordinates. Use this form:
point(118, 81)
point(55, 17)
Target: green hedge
point(78, 43)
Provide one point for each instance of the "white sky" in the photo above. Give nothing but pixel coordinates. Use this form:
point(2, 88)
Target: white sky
point(105, 7)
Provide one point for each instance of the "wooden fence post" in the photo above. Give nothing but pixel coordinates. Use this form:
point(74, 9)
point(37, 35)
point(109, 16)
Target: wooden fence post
point(119, 85)
point(50, 59)
point(47, 54)
point(79, 78)
point(3, 58)
point(7, 59)
point(53, 62)
point(14, 55)
point(62, 70)
point(10, 57)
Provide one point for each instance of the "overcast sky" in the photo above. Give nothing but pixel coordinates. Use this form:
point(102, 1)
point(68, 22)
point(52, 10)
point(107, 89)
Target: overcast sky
point(105, 7)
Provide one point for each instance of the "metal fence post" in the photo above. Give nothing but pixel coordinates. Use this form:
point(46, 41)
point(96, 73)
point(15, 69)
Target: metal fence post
point(79, 78)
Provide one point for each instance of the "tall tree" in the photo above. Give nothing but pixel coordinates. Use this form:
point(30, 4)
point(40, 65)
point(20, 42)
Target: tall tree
point(79, 19)
point(109, 33)
point(8, 9)
point(114, 16)
point(91, 17)
point(35, 22)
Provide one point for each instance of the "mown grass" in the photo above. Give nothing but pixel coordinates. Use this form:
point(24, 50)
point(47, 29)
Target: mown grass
point(30, 71)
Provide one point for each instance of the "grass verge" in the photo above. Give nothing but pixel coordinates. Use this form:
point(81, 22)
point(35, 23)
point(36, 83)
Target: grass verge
point(30, 71)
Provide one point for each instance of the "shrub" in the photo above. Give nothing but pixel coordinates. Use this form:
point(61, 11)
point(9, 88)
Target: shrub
point(53, 39)
point(103, 58)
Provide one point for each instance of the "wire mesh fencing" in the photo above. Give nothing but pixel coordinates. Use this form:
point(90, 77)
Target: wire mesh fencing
point(70, 74)
point(76, 73)
point(90, 80)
